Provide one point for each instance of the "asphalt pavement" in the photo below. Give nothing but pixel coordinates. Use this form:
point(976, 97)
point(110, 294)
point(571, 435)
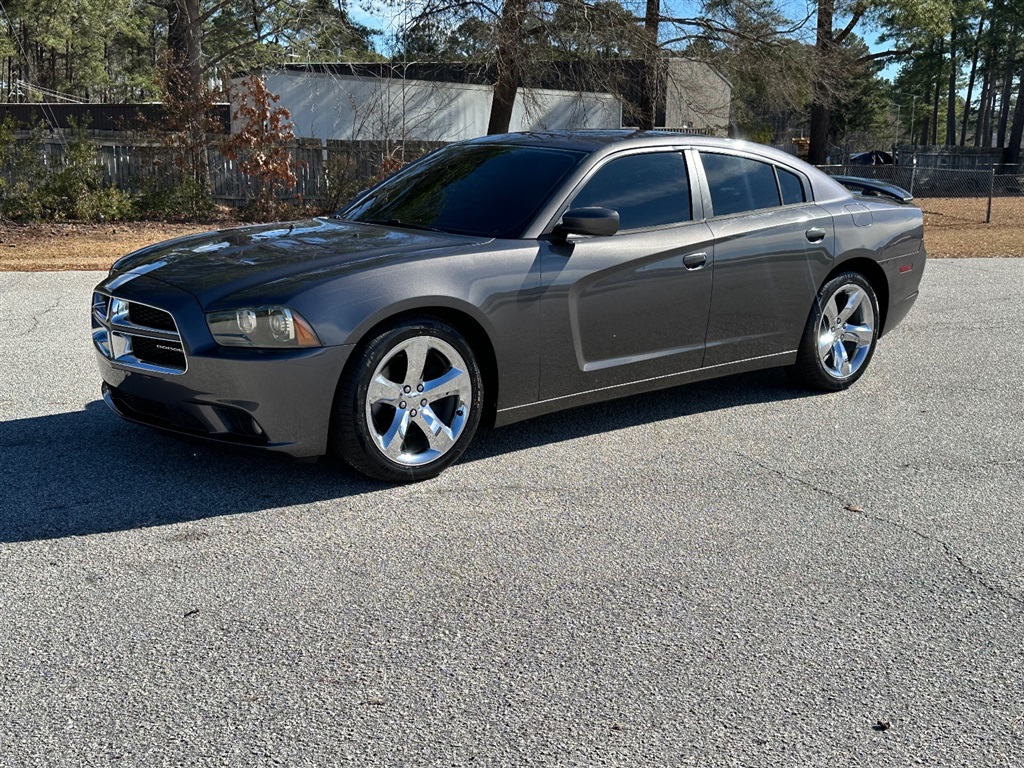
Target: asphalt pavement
point(728, 573)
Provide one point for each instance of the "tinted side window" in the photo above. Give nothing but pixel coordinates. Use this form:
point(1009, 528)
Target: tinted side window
point(738, 184)
point(492, 190)
point(792, 188)
point(647, 190)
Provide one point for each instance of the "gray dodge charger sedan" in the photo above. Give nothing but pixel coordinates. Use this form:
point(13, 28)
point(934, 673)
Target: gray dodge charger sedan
point(500, 279)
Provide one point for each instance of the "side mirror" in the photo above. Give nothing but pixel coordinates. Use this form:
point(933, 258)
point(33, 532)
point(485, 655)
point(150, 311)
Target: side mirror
point(599, 222)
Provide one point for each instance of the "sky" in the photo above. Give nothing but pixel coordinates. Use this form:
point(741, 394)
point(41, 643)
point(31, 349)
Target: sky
point(377, 16)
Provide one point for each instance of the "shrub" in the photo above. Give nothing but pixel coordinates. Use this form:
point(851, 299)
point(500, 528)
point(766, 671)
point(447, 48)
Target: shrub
point(26, 170)
point(106, 204)
point(37, 186)
point(261, 149)
point(174, 199)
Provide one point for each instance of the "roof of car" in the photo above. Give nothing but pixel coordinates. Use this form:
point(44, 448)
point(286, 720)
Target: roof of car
point(588, 140)
point(593, 140)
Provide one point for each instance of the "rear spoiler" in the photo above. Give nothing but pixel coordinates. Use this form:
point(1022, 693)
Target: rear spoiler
point(874, 187)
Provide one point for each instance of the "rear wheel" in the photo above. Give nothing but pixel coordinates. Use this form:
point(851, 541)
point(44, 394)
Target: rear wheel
point(841, 333)
point(409, 405)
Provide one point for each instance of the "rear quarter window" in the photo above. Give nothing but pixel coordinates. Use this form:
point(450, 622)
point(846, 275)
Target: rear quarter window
point(791, 186)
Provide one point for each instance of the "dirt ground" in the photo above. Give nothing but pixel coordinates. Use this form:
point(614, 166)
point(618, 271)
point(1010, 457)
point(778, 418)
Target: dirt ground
point(954, 228)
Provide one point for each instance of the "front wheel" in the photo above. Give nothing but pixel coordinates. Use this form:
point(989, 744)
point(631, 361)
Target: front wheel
point(840, 336)
point(409, 405)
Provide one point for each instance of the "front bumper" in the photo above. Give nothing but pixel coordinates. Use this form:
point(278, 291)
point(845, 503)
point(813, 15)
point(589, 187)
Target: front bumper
point(276, 400)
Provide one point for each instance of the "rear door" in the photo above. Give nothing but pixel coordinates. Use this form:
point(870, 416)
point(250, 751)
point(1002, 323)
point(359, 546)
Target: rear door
point(773, 245)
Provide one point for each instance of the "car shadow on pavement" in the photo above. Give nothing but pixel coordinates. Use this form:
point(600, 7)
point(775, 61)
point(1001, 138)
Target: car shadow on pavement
point(74, 474)
point(763, 386)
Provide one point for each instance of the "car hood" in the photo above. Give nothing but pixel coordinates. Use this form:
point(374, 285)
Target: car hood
point(214, 265)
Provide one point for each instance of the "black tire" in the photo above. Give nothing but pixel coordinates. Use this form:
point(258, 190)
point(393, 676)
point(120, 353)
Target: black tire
point(831, 362)
point(399, 433)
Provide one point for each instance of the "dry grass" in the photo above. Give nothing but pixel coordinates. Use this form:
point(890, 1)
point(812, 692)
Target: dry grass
point(954, 228)
point(42, 247)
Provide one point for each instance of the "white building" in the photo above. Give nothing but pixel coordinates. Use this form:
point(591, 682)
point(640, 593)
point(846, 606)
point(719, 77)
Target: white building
point(373, 102)
point(697, 97)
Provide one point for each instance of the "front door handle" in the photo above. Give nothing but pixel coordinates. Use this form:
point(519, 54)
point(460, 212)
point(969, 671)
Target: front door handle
point(695, 260)
point(815, 234)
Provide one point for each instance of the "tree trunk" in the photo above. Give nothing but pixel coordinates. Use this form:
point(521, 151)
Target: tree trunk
point(925, 129)
point(993, 93)
point(821, 119)
point(26, 73)
point(509, 66)
point(648, 106)
point(821, 112)
point(982, 134)
point(185, 47)
point(1004, 96)
point(979, 120)
point(1011, 155)
point(954, 69)
point(970, 84)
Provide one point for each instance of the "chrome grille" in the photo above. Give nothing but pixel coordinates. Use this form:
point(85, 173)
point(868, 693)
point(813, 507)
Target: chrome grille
point(137, 335)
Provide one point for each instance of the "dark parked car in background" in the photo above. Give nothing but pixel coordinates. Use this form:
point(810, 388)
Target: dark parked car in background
point(872, 157)
point(500, 279)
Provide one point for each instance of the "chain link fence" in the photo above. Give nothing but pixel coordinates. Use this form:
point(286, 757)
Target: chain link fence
point(951, 196)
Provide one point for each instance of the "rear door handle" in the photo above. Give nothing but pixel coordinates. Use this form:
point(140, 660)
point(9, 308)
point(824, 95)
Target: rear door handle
point(695, 260)
point(815, 234)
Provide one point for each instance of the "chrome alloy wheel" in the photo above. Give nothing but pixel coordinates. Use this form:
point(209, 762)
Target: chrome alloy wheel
point(418, 400)
point(846, 331)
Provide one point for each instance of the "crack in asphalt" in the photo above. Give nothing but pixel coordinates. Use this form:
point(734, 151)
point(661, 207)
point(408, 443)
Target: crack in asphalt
point(37, 317)
point(952, 555)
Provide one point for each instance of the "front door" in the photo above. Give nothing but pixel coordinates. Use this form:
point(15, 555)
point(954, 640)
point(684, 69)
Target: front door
point(632, 306)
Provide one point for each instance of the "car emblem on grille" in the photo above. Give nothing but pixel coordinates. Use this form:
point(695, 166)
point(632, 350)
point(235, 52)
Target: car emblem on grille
point(126, 332)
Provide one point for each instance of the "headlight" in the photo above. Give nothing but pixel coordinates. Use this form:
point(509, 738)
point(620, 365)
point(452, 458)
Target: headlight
point(261, 327)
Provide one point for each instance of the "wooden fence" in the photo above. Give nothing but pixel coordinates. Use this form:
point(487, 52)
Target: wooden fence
point(327, 172)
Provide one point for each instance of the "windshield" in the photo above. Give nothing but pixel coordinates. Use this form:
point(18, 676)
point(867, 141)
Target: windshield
point(490, 190)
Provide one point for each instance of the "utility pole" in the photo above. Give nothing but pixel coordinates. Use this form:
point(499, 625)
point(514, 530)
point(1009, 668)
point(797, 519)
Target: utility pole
point(913, 111)
point(896, 134)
